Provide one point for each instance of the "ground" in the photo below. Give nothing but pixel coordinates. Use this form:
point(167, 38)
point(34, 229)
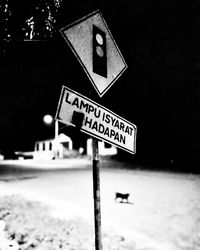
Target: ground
point(163, 212)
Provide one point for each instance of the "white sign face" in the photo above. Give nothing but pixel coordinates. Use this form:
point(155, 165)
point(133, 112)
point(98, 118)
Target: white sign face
point(92, 43)
point(95, 120)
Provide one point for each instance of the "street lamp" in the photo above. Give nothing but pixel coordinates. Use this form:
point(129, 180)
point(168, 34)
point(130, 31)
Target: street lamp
point(48, 119)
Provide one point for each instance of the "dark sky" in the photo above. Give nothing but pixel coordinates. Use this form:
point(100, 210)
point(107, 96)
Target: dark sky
point(159, 92)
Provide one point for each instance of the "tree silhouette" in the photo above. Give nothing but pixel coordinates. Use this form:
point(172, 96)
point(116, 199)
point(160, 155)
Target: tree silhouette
point(41, 23)
point(5, 25)
point(35, 20)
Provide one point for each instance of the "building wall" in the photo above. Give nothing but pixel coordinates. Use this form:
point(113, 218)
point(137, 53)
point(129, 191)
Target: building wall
point(104, 148)
point(49, 149)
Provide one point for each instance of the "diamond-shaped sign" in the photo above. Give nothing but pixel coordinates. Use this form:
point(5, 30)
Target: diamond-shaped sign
point(93, 44)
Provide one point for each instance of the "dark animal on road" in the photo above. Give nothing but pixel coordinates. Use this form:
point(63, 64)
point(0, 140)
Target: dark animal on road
point(123, 197)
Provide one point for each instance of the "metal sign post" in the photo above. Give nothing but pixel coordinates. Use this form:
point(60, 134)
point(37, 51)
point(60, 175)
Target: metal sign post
point(92, 43)
point(96, 194)
point(99, 122)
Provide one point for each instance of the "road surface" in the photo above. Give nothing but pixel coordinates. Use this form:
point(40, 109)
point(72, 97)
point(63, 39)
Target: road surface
point(163, 210)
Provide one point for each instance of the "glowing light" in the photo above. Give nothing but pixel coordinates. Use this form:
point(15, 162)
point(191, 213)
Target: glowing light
point(48, 119)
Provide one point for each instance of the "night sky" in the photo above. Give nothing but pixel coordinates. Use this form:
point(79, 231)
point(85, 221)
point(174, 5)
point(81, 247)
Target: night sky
point(159, 92)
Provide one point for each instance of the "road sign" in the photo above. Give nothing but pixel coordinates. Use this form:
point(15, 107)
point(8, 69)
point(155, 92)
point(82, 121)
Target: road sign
point(93, 45)
point(95, 120)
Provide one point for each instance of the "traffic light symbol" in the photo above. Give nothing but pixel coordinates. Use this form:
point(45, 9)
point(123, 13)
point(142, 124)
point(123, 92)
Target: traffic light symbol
point(99, 52)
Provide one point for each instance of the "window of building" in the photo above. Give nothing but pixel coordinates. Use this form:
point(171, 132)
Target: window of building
point(107, 145)
point(66, 144)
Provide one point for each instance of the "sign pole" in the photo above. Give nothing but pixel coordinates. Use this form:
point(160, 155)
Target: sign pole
point(96, 194)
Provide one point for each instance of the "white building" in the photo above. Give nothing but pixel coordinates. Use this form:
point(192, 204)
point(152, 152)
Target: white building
point(52, 148)
point(105, 149)
point(62, 147)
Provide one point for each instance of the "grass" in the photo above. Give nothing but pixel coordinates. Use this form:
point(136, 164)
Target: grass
point(32, 227)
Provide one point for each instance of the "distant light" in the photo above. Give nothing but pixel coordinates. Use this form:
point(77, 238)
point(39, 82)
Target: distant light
point(48, 119)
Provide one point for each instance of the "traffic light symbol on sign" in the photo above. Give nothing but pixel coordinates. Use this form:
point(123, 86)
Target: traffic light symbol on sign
point(99, 52)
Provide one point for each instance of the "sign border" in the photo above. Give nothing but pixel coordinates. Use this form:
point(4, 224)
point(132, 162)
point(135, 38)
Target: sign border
point(89, 133)
point(79, 59)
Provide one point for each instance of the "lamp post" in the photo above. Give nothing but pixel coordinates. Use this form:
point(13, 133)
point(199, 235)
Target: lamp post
point(48, 119)
point(56, 139)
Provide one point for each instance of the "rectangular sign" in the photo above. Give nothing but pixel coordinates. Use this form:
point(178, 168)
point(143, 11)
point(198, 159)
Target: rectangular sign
point(95, 120)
